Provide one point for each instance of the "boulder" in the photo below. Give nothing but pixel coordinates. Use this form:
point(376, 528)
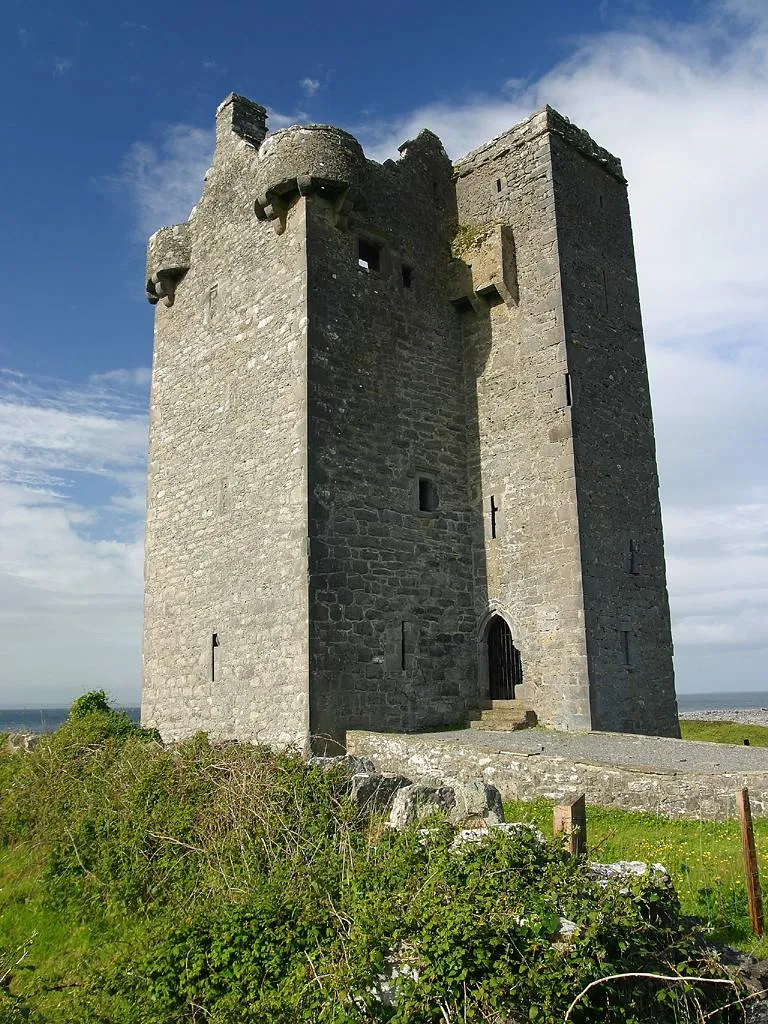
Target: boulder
point(372, 793)
point(506, 828)
point(476, 803)
point(416, 802)
point(465, 804)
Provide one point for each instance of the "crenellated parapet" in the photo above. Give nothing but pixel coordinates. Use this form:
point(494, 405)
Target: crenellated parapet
point(168, 257)
point(305, 159)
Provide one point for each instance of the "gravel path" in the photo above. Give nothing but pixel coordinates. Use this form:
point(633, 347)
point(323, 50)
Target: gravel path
point(652, 753)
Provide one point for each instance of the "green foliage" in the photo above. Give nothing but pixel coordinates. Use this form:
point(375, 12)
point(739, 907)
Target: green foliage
point(88, 703)
point(466, 237)
point(235, 885)
point(724, 732)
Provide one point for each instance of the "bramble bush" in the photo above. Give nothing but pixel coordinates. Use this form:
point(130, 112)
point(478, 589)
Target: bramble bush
point(255, 891)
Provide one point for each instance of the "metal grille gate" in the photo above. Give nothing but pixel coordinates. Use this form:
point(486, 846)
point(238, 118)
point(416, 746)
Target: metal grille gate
point(505, 670)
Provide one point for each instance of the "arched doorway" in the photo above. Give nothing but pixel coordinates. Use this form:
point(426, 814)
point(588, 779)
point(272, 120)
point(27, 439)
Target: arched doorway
point(505, 669)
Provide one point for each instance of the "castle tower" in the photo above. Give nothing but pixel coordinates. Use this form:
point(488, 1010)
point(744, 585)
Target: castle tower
point(401, 448)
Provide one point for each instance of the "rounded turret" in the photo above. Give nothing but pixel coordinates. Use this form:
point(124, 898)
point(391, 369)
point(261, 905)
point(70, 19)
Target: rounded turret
point(305, 158)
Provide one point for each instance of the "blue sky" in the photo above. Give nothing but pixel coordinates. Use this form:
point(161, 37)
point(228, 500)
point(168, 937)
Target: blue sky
point(108, 130)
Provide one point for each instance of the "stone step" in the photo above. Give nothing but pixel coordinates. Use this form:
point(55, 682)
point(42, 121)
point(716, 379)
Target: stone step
point(508, 718)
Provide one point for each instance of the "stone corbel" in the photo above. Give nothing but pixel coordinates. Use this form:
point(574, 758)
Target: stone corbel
point(162, 285)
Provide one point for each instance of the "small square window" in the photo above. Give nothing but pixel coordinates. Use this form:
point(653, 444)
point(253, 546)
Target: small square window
point(368, 255)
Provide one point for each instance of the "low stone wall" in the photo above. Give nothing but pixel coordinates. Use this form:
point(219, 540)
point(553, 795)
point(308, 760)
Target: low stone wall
point(525, 776)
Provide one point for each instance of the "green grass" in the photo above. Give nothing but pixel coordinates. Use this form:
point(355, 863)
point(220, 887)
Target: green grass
point(725, 732)
point(54, 943)
point(702, 857)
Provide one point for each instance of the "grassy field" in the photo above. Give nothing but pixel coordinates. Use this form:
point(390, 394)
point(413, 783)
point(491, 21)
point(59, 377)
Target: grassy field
point(725, 732)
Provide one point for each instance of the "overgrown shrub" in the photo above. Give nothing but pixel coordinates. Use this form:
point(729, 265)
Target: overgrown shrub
point(256, 892)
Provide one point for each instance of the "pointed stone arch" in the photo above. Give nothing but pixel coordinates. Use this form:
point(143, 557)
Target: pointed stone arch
point(500, 666)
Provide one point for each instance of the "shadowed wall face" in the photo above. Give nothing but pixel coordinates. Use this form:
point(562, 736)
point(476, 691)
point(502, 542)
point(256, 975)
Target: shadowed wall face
point(627, 625)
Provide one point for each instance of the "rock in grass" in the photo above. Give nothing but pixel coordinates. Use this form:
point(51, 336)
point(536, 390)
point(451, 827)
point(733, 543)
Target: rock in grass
point(372, 793)
point(348, 763)
point(471, 803)
point(416, 802)
point(625, 869)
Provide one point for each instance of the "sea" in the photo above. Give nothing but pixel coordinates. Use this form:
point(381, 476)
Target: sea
point(48, 719)
point(43, 719)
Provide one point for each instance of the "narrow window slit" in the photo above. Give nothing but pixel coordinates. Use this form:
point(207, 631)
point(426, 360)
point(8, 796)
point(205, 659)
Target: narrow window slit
point(214, 645)
point(402, 646)
point(407, 276)
point(568, 391)
point(494, 510)
point(428, 496)
point(498, 184)
point(632, 559)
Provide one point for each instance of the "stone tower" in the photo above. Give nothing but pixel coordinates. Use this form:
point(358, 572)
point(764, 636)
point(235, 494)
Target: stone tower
point(401, 449)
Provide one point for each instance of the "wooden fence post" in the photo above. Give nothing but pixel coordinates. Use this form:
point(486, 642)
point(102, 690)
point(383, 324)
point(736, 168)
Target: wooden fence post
point(751, 871)
point(572, 819)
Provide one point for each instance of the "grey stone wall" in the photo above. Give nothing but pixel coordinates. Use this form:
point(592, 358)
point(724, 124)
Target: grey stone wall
point(515, 371)
point(392, 625)
point(527, 775)
point(227, 512)
point(629, 641)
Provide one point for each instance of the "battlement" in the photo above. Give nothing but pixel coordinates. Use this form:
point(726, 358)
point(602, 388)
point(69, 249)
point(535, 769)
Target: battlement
point(547, 119)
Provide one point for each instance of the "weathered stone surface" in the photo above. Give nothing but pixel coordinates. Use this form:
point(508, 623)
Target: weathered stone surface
point(415, 802)
point(626, 869)
point(375, 793)
point(17, 742)
point(476, 802)
point(350, 764)
point(316, 378)
point(675, 778)
point(506, 828)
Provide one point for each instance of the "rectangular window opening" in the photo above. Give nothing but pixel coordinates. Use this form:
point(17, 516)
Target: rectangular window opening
point(626, 641)
point(494, 510)
point(632, 559)
point(428, 496)
point(568, 391)
point(402, 646)
point(407, 276)
point(498, 184)
point(368, 255)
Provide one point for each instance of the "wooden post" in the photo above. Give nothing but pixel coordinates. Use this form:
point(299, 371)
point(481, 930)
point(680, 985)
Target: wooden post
point(572, 819)
point(754, 898)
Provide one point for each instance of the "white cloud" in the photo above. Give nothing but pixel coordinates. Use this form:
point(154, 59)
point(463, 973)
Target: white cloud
point(72, 472)
point(309, 86)
point(164, 179)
